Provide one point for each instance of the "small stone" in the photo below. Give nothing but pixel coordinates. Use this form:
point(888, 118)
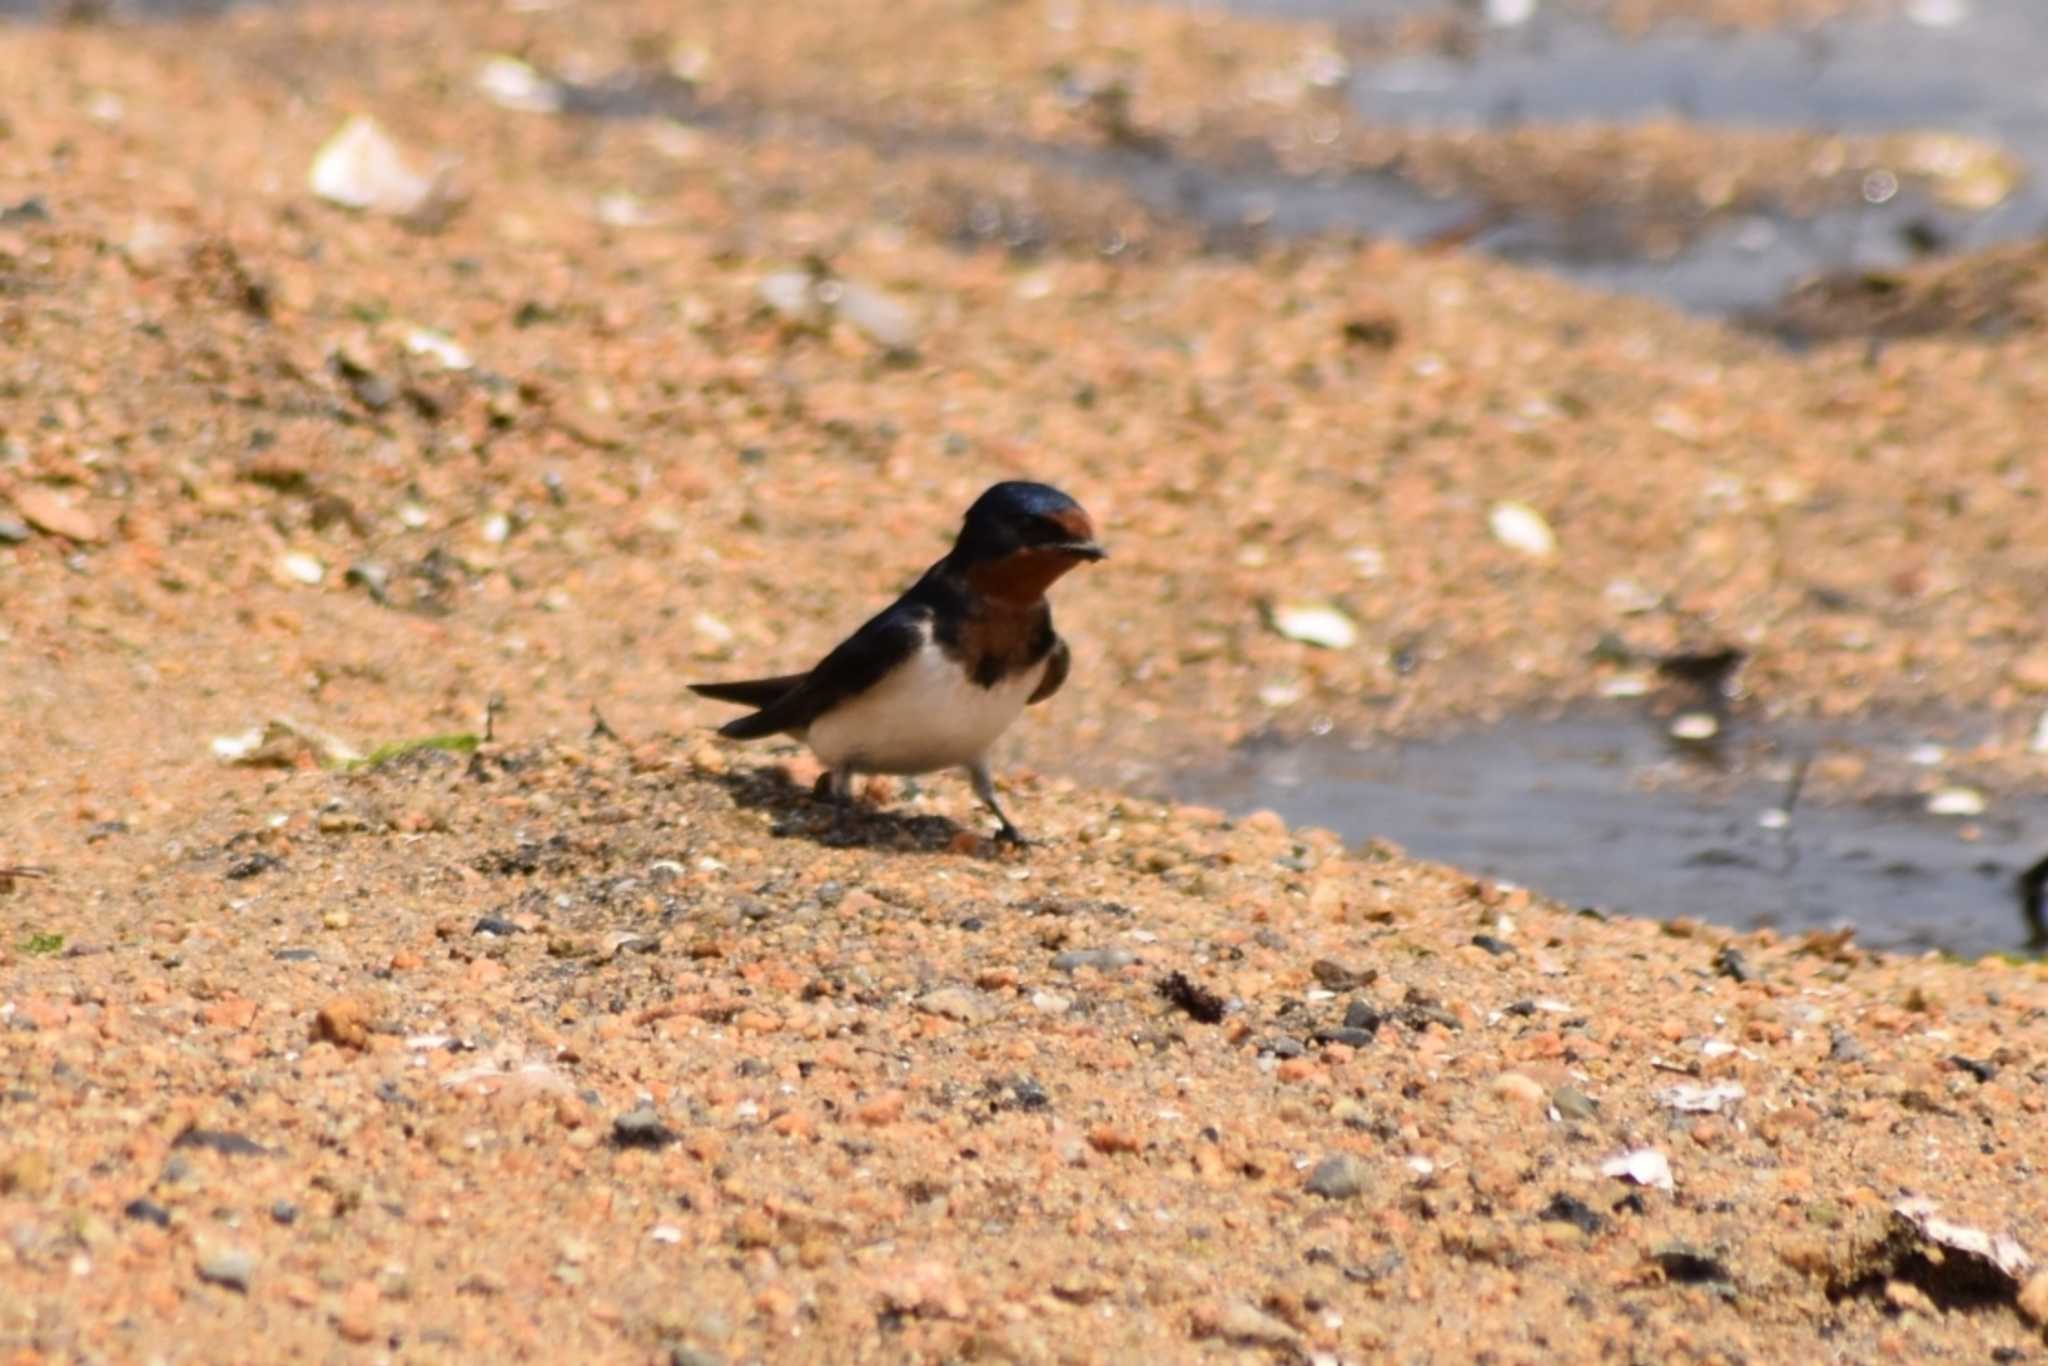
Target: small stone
point(27, 1172)
point(1103, 960)
point(148, 1212)
point(1513, 1086)
point(1244, 1325)
point(1497, 947)
point(2029, 673)
point(1361, 1015)
point(1334, 976)
point(1908, 1298)
point(1349, 1037)
point(1955, 801)
point(1729, 962)
point(1315, 623)
point(1844, 1047)
point(360, 167)
point(1642, 1167)
point(220, 1141)
point(927, 1287)
point(957, 1003)
point(284, 1212)
point(47, 511)
point(884, 1109)
point(1572, 1103)
point(1570, 1210)
point(511, 84)
point(1695, 726)
point(693, 1356)
point(1520, 527)
point(1200, 1004)
point(641, 1127)
point(1687, 1098)
point(227, 1264)
point(1111, 1140)
point(13, 532)
point(1339, 1177)
point(298, 567)
point(344, 1021)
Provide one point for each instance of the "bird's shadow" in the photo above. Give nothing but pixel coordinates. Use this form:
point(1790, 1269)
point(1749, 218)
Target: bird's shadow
point(801, 813)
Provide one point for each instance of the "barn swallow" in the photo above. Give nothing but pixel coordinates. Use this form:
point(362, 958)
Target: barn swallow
point(930, 682)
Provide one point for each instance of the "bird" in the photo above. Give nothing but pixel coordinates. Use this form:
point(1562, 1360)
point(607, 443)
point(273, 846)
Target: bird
point(933, 679)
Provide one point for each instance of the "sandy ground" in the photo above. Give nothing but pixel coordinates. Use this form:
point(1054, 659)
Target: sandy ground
point(572, 1046)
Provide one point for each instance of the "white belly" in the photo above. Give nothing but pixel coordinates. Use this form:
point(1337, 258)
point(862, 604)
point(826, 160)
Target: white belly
point(927, 714)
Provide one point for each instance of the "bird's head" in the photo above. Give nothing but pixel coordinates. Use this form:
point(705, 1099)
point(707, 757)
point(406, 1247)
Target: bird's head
point(1019, 537)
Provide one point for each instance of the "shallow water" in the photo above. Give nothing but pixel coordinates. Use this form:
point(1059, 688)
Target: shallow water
point(1980, 76)
point(1599, 808)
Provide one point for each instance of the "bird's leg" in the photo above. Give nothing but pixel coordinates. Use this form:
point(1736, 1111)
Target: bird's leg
point(836, 786)
point(985, 788)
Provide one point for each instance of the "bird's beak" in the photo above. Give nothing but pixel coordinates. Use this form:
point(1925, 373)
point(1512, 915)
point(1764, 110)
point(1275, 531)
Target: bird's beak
point(1084, 550)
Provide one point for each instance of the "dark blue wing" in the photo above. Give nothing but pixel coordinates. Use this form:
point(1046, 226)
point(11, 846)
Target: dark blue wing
point(857, 665)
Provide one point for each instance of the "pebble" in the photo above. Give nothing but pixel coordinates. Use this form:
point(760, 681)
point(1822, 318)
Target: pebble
point(1695, 726)
point(1844, 1047)
point(227, 1264)
point(1335, 976)
point(957, 1003)
point(1955, 801)
point(1315, 623)
point(1103, 960)
point(1689, 1099)
point(1244, 1325)
point(50, 512)
point(13, 532)
point(2030, 672)
point(1346, 1035)
point(344, 1021)
point(220, 1141)
point(1338, 1177)
point(360, 167)
point(1518, 1088)
point(1570, 1210)
point(494, 925)
point(1572, 1103)
point(1361, 1015)
point(641, 1127)
point(1729, 962)
point(300, 567)
point(1642, 1167)
point(148, 1211)
point(1521, 527)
